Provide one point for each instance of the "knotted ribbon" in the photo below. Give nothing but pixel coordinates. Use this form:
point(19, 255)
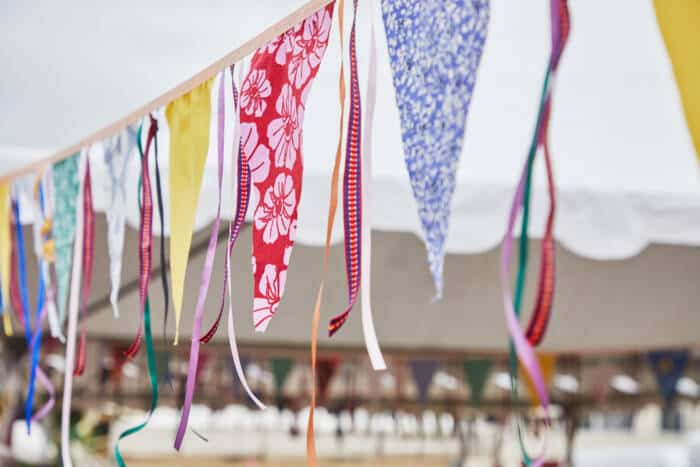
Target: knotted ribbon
point(434, 49)
point(272, 114)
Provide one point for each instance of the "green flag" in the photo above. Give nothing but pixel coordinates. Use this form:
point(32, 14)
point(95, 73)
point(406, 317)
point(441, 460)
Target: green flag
point(476, 372)
point(281, 367)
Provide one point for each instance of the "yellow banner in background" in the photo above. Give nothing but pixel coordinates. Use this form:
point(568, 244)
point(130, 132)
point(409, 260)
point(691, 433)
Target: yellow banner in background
point(548, 365)
point(188, 119)
point(679, 21)
point(5, 255)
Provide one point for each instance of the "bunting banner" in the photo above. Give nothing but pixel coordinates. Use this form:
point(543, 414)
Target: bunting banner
point(66, 186)
point(678, 21)
point(434, 49)
point(668, 367)
point(188, 120)
point(423, 372)
point(5, 256)
point(327, 368)
point(476, 373)
point(272, 102)
point(117, 154)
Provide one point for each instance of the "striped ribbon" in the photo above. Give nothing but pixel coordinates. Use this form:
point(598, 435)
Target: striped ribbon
point(205, 277)
point(88, 254)
point(145, 234)
point(352, 187)
point(150, 355)
point(163, 253)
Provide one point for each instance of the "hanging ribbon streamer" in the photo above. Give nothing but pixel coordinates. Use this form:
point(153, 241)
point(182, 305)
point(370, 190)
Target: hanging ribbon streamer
point(145, 233)
point(521, 345)
point(272, 103)
point(44, 297)
point(117, 155)
point(206, 273)
point(88, 253)
point(241, 176)
point(435, 49)
point(66, 186)
point(352, 187)
point(188, 119)
point(150, 353)
point(163, 259)
point(332, 208)
point(46, 250)
point(73, 306)
point(5, 257)
point(371, 342)
point(678, 21)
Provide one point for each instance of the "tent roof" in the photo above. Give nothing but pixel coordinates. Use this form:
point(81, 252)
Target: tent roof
point(625, 167)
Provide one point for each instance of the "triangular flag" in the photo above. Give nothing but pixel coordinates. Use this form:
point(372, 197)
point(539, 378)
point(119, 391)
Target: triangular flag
point(66, 186)
point(476, 372)
point(668, 367)
point(5, 256)
point(188, 119)
point(435, 49)
point(679, 21)
point(423, 372)
point(281, 367)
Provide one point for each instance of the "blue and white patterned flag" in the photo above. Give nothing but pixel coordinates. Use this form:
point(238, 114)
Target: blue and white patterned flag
point(435, 49)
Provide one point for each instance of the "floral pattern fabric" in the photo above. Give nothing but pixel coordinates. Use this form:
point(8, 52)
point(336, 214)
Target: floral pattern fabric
point(272, 100)
point(434, 49)
point(66, 186)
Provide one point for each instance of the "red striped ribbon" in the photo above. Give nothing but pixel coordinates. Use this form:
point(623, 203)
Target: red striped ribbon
point(88, 253)
point(352, 187)
point(145, 236)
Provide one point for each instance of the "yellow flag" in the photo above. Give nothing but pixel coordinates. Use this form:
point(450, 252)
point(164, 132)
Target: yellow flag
point(548, 363)
point(188, 119)
point(5, 255)
point(679, 21)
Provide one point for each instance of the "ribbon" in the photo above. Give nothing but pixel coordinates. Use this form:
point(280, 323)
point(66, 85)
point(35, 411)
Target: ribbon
point(73, 306)
point(46, 250)
point(241, 175)
point(163, 259)
point(678, 21)
point(206, 274)
point(116, 157)
point(371, 342)
point(66, 186)
point(188, 119)
point(44, 301)
point(145, 233)
point(521, 345)
point(332, 207)
point(88, 253)
point(5, 257)
point(352, 188)
point(435, 49)
point(272, 101)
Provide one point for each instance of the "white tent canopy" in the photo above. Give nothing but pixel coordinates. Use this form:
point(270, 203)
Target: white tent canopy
point(624, 164)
